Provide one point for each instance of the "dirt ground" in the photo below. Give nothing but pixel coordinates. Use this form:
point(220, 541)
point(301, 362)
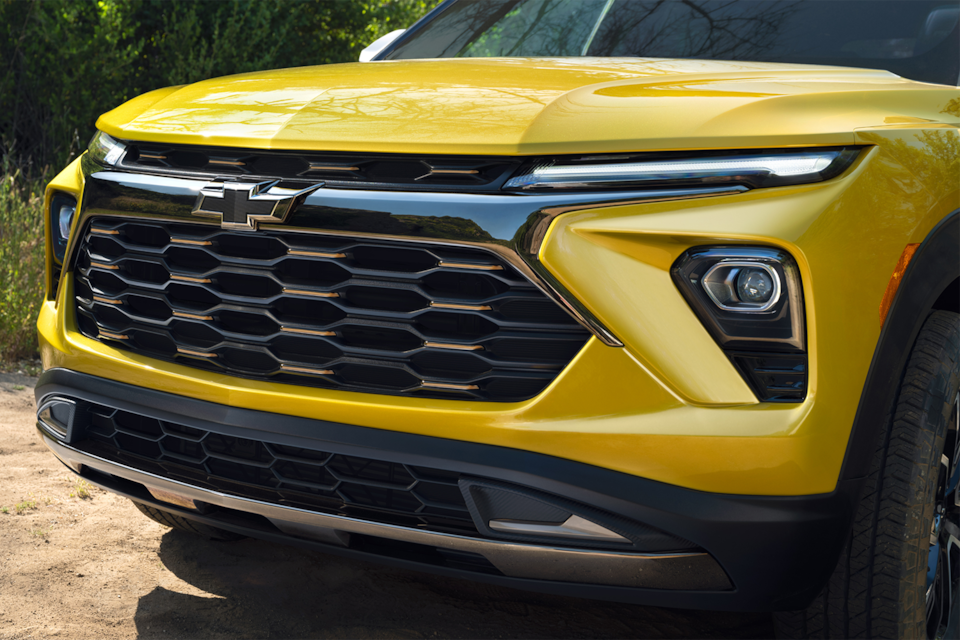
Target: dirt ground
point(77, 562)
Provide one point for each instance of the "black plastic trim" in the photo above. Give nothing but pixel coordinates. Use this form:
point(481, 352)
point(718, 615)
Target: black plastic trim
point(493, 500)
point(410, 556)
point(778, 551)
point(58, 199)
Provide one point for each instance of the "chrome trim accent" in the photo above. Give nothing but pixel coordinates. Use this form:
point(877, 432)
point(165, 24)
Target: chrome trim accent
point(444, 385)
point(199, 243)
point(310, 332)
point(455, 347)
point(174, 276)
point(104, 232)
point(152, 156)
point(757, 308)
point(317, 372)
point(329, 167)
point(317, 294)
point(572, 527)
point(231, 163)
point(315, 254)
point(478, 267)
point(113, 336)
point(464, 307)
point(675, 571)
point(49, 423)
point(199, 354)
point(100, 265)
point(457, 172)
point(517, 222)
point(149, 182)
point(192, 316)
point(106, 300)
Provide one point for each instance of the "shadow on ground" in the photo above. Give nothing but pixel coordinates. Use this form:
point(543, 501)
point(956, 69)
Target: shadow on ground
point(263, 590)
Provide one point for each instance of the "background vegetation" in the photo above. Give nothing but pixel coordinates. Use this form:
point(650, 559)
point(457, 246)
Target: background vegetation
point(64, 62)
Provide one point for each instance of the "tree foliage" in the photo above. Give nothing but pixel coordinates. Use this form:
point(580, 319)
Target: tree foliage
point(64, 62)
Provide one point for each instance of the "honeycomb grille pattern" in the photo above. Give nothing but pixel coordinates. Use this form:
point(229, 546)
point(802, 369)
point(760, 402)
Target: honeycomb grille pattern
point(343, 170)
point(307, 309)
point(305, 478)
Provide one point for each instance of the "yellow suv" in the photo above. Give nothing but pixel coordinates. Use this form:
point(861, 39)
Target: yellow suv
point(655, 302)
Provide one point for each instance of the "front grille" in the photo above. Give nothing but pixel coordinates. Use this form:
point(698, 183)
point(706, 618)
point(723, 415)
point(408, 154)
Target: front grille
point(308, 309)
point(326, 482)
point(344, 170)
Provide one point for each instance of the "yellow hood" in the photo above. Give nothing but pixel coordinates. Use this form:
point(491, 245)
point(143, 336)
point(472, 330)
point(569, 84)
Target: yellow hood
point(517, 106)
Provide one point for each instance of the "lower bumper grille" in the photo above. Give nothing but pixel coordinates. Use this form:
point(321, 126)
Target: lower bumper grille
point(320, 481)
point(326, 311)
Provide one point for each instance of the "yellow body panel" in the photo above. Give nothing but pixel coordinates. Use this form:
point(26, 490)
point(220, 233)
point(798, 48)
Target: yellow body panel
point(509, 106)
point(667, 406)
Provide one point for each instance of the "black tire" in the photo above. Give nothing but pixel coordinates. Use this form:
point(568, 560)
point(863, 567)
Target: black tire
point(179, 523)
point(879, 588)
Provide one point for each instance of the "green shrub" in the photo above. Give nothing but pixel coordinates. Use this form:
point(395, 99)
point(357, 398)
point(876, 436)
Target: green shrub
point(21, 264)
point(64, 62)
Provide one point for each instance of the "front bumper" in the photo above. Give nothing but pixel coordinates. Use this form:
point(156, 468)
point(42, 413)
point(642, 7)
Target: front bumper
point(754, 553)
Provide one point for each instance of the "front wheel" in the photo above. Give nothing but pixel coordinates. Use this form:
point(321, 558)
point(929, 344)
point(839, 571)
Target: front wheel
point(898, 574)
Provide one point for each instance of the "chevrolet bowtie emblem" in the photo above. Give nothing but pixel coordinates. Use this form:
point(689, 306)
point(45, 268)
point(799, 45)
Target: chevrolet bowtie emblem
point(242, 205)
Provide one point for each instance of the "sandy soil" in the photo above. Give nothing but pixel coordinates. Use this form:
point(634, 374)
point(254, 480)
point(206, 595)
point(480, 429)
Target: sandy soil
point(89, 565)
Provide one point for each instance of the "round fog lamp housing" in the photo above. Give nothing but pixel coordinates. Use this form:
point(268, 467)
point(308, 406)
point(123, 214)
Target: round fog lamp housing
point(742, 286)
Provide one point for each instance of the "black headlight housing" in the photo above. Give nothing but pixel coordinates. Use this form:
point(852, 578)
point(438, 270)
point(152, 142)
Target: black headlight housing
point(750, 299)
point(63, 209)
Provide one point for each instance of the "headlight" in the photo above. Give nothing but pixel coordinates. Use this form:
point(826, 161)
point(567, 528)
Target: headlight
point(63, 208)
point(752, 169)
point(105, 149)
point(750, 300)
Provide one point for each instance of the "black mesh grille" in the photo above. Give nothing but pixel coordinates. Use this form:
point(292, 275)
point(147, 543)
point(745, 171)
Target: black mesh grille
point(435, 173)
point(305, 478)
point(343, 313)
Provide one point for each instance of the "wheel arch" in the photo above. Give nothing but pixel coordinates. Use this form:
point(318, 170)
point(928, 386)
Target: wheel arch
point(931, 282)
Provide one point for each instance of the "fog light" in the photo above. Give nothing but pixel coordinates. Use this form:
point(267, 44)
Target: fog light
point(750, 299)
point(747, 287)
point(754, 285)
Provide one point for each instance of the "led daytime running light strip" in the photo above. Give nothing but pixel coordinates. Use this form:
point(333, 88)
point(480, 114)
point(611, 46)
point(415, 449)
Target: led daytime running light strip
point(780, 165)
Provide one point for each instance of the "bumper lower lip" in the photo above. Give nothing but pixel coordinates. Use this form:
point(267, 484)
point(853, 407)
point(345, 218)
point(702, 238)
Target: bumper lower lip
point(777, 551)
point(687, 571)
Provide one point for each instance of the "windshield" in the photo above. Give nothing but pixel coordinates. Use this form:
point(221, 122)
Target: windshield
point(916, 39)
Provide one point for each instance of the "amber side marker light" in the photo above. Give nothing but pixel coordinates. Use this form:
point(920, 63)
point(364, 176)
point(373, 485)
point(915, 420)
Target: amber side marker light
point(895, 279)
